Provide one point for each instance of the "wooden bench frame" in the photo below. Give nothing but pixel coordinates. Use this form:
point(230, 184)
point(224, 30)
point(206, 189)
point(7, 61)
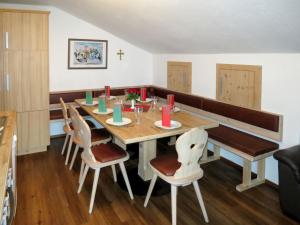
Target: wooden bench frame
point(247, 181)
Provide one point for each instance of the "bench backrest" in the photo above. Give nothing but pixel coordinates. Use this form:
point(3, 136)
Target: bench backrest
point(260, 122)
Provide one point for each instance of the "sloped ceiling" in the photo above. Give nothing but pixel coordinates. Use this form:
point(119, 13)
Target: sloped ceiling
point(193, 26)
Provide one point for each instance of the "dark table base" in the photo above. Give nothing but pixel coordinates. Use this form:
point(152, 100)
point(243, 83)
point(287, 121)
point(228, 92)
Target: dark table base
point(140, 187)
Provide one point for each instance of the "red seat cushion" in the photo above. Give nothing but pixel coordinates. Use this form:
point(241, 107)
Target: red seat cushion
point(242, 141)
point(99, 134)
point(166, 164)
point(108, 152)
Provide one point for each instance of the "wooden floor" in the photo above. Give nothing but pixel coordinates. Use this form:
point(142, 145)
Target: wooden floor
point(47, 195)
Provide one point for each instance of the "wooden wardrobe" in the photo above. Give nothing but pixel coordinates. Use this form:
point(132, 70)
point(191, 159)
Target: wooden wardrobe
point(24, 75)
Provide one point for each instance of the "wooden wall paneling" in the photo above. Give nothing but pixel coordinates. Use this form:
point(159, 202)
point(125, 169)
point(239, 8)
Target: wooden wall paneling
point(12, 23)
point(35, 31)
point(33, 131)
point(35, 82)
point(180, 76)
point(239, 85)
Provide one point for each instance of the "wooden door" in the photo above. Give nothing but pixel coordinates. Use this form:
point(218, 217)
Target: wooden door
point(13, 82)
point(12, 30)
point(33, 131)
point(2, 82)
point(34, 91)
point(239, 85)
point(180, 76)
point(35, 31)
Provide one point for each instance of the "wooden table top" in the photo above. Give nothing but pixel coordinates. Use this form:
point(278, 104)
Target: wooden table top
point(146, 130)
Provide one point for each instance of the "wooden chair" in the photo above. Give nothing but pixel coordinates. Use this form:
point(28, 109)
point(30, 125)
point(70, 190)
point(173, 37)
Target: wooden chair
point(68, 127)
point(182, 171)
point(98, 136)
point(97, 157)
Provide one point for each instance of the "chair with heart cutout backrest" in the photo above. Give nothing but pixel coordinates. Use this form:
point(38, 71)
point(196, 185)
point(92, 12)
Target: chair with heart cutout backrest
point(181, 169)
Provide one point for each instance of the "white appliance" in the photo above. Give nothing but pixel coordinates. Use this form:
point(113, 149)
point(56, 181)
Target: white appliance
point(10, 201)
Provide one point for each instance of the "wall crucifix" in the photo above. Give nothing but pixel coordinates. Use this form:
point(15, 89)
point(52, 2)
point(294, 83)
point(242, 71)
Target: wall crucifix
point(120, 53)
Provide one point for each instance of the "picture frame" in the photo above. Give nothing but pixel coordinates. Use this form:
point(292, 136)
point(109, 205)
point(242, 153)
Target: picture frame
point(87, 54)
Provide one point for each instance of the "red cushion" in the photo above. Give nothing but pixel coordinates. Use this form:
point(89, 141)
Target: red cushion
point(108, 152)
point(166, 164)
point(99, 134)
point(242, 141)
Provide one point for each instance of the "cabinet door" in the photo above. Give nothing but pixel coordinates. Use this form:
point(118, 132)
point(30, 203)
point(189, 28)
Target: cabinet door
point(12, 79)
point(1, 65)
point(12, 29)
point(35, 31)
point(33, 131)
point(2, 84)
point(180, 76)
point(34, 91)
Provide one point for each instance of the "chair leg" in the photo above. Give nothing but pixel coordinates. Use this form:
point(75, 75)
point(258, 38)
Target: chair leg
point(65, 144)
point(69, 150)
point(113, 168)
point(174, 203)
point(86, 169)
point(126, 179)
point(81, 170)
point(95, 184)
point(200, 199)
point(150, 189)
point(74, 156)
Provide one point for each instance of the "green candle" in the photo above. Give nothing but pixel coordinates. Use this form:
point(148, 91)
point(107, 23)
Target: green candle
point(89, 97)
point(102, 104)
point(117, 114)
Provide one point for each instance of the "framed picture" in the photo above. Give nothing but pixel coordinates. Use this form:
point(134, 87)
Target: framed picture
point(87, 54)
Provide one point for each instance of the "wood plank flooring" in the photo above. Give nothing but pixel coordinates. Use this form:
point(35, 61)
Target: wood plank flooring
point(47, 195)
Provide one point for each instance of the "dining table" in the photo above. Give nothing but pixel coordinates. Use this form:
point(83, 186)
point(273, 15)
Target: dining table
point(146, 132)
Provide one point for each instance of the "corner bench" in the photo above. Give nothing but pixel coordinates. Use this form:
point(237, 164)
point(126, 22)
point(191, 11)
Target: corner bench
point(249, 147)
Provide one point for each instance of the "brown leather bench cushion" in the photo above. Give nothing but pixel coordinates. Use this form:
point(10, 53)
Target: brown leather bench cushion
point(166, 164)
point(239, 140)
point(254, 117)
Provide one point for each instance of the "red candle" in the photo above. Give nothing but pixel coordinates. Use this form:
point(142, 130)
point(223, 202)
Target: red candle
point(170, 99)
point(166, 116)
point(107, 91)
point(143, 94)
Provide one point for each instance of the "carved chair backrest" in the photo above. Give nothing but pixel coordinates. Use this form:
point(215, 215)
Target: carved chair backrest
point(189, 147)
point(65, 113)
point(85, 136)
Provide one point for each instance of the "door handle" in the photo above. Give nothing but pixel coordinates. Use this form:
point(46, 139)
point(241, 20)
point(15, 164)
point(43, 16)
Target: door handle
point(6, 40)
point(7, 82)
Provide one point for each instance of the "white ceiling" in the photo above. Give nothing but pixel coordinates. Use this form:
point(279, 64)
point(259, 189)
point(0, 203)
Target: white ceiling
point(193, 26)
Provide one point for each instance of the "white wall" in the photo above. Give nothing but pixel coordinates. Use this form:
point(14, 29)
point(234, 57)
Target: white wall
point(280, 88)
point(135, 68)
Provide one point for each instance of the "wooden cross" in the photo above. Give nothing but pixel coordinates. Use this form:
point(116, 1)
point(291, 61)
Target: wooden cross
point(120, 53)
